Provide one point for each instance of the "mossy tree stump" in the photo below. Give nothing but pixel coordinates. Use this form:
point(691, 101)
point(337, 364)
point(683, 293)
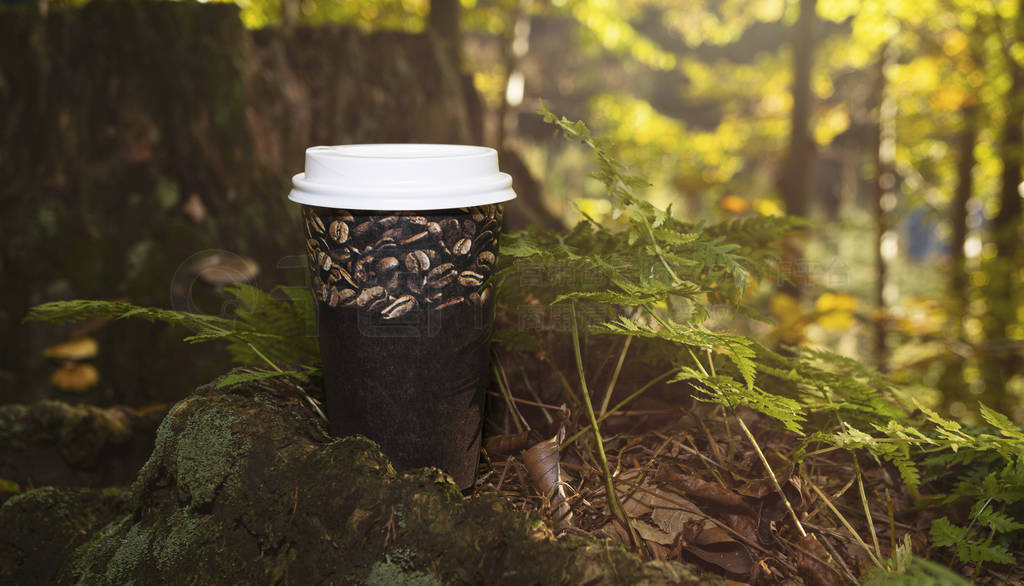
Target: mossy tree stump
point(245, 486)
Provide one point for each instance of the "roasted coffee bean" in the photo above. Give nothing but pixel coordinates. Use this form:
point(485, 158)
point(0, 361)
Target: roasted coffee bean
point(388, 263)
point(323, 260)
point(370, 295)
point(462, 247)
point(362, 229)
point(470, 279)
point(384, 244)
point(339, 231)
point(489, 224)
point(344, 215)
point(314, 224)
point(388, 221)
point(418, 220)
point(454, 301)
point(441, 276)
point(435, 297)
point(417, 261)
point(434, 228)
point(474, 298)
point(469, 227)
point(339, 274)
point(485, 260)
point(399, 307)
point(367, 250)
point(340, 256)
point(379, 304)
point(340, 296)
point(486, 295)
point(432, 255)
point(361, 272)
point(439, 270)
point(483, 239)
point(477, 216)
point(416, 237)
point(319, 288)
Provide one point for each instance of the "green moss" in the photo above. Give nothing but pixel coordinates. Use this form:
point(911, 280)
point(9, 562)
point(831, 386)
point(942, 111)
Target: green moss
point(209, 454)
point(133, 552)
point(101, 546)
point(394, 573)
point(183, 533)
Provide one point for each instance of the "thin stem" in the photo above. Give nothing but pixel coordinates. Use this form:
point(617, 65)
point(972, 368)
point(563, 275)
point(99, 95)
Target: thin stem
point(867, 509)
point(309, 399)
point(263, 356)
point(892, 522)
point(771, 473)
point(505, 394)
point(844, 522)
point(613, 498)
point(615, 375)
point(622, 404)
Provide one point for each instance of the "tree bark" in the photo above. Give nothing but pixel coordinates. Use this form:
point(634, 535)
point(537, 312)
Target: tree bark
point(443, 21)
point(1000, 362)
point(884, 196)
point(965, 142)
point(952, 381)
point(795, 181)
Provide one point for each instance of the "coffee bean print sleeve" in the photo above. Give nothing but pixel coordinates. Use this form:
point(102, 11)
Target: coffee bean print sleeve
point(391, 264)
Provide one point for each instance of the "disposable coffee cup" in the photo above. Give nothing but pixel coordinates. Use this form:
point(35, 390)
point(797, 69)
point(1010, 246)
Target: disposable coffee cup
point(402, 242)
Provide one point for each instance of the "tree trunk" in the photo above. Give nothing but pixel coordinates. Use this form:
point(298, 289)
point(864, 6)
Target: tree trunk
point(443, 22)
point(884, 197)
point(965, 142)
point(795, 180)
point(952, 381)
point(1000, 362)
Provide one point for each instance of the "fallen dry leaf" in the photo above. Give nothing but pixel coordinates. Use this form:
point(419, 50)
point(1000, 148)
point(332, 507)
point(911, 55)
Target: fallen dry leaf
point(75, 378)
point(703, 490)
point(715, 546)
point(813, 563)
point(507, 444)
point(542, 464)
point(78, 349)
point(651, 533)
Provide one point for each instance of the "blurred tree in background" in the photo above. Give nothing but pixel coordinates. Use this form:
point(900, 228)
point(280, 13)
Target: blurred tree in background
point(895, 126)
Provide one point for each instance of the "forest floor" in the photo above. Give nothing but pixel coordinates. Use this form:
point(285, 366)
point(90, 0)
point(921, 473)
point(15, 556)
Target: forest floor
point(692, 487)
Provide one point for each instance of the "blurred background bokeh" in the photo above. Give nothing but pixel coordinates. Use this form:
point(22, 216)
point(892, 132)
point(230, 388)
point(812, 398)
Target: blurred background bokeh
point(146, 150)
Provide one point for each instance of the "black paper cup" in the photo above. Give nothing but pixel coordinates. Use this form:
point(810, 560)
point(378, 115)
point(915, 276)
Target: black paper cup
point(405, 309)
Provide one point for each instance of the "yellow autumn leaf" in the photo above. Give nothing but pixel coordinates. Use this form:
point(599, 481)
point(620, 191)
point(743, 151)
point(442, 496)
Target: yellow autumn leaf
point(734, 204)
point(790, 319)
point(835, 310)
point(768, 207)
point(921, 317)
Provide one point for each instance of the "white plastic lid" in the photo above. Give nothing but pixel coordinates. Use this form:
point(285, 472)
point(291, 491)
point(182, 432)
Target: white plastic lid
point(383, 177)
